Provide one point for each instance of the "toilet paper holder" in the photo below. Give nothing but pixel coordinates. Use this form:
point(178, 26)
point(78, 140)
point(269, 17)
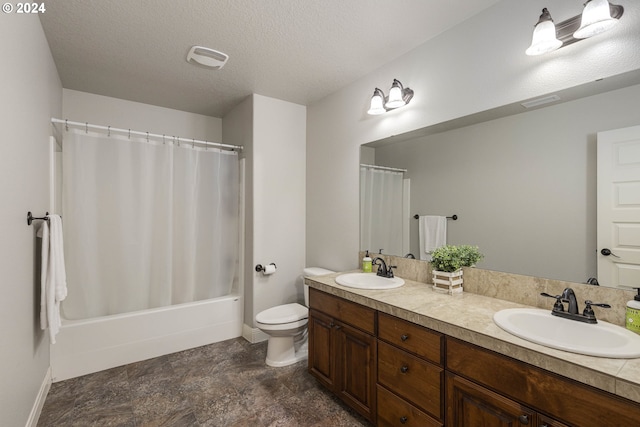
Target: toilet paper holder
point(260, 268)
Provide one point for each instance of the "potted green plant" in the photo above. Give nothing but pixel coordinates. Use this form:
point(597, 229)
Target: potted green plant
point(447, 262)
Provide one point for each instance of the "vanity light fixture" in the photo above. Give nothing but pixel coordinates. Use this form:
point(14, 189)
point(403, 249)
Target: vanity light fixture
point(399, 96)
point(597, 17)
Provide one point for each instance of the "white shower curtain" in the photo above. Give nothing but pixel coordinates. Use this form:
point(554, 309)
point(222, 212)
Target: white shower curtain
point(381, 210)
point(146, 224)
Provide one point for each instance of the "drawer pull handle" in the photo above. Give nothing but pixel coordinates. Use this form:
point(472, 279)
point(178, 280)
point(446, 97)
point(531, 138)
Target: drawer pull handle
point(524, 419)
point(403, 420)
point(404, 337)
point(338, 327)
point(331, 325)
point(404, 369)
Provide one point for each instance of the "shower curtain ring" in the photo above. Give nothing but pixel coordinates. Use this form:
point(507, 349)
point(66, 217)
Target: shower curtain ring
point(108, 130)
point(66, 125)
point(129, 133)
point(193, 143)
point(163, 141)
point(86, 127)
point(147, 136)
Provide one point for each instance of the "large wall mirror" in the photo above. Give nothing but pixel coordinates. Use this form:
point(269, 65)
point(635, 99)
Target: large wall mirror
point(523, 183)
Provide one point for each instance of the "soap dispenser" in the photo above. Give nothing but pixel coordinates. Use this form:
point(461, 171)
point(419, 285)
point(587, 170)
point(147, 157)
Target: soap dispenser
point(633, 313)
point(367, 265)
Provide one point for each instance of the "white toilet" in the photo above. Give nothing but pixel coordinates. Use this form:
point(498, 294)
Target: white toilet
point(286, 326)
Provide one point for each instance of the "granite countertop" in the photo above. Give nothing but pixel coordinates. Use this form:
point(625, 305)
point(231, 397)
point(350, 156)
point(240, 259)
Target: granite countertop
point(469, 317)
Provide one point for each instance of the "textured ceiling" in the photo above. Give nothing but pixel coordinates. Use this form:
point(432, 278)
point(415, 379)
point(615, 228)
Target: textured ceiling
point(296, 50)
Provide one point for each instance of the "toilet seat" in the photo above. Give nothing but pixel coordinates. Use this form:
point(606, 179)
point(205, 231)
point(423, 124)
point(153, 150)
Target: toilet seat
point(283, 314)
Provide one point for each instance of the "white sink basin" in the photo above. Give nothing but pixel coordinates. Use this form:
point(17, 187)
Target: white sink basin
point(368, 281)
point(602, 339)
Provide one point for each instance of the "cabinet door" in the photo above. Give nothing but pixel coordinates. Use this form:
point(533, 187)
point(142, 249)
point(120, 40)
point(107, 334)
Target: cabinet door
point(321, 348)
point(356, 369)
point(470, 405)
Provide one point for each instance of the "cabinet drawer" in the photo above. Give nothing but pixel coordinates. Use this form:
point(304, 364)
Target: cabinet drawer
point(359, 316)
point(571, 402)
point(411, 337)
point(393, 411)
point(411, 378)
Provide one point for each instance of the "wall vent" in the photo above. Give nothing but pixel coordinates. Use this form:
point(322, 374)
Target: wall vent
point(540, 101)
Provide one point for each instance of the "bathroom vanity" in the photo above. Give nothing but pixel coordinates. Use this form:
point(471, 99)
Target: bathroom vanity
point(414, 357)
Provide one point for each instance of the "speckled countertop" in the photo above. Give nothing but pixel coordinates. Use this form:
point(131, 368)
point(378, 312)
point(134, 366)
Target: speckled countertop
point(469, 317)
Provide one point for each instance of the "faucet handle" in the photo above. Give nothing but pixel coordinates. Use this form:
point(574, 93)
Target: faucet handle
point(588, 311)
point(558, 304)
point(390, 271)
point(597, 304)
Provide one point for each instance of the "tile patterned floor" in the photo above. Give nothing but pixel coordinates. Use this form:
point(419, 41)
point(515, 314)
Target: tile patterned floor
point(223, 384)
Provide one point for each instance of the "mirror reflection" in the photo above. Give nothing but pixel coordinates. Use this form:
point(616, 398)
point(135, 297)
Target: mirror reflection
point(524, 186)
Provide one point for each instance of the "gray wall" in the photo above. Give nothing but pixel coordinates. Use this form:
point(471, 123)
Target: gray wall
point(273, 134)
point(31, 95)
point(237, 129)
point(523, 186)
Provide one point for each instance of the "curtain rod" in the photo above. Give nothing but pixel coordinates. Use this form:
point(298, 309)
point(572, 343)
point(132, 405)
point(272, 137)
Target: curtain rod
point(385, 168)
point(88, 126)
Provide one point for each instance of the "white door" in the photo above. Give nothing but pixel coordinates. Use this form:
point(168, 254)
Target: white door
point(619, 207)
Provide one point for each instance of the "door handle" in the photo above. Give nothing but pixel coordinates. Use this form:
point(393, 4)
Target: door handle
point(607, 252)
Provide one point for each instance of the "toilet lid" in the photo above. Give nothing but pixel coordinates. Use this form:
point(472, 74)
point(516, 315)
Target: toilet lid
point(286, 313)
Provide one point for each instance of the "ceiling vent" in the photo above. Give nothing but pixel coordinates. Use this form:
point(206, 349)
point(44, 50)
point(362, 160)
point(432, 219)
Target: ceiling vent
point(207, 57)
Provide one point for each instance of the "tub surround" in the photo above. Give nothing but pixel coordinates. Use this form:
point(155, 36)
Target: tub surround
point(469, 317)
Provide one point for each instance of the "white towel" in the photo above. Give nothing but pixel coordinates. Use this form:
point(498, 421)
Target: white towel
point(433, 234)
point(53, 278)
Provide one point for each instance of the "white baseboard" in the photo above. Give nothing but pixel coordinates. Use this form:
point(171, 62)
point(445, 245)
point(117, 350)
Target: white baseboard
point(36, 410)
point(253, 335)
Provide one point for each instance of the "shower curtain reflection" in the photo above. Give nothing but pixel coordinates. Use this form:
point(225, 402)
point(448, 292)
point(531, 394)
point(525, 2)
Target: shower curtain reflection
point(381, 210)
point(147, 224)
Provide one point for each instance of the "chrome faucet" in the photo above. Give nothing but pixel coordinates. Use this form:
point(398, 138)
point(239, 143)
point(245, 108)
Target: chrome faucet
point(568, 296)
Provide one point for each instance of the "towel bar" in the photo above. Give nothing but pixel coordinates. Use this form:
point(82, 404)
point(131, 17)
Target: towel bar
point(453, 217)
point(31, 218)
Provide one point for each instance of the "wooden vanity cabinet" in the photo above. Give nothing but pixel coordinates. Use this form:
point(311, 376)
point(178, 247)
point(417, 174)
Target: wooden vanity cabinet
point(343, 351)
point(482, 384)
point(410, 374)
point(398, 373)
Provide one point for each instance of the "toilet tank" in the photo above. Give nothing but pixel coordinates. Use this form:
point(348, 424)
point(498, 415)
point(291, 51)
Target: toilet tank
point(310, 272)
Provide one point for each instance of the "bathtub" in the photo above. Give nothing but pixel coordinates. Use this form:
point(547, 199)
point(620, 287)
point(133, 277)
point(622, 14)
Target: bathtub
point(91, 345)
